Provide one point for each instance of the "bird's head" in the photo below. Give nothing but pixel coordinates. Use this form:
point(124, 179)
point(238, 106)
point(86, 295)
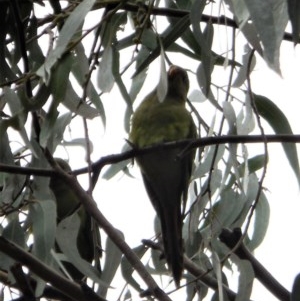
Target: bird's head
point(178, 83)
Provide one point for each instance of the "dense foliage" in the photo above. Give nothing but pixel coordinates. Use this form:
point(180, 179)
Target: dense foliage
point(58, 61)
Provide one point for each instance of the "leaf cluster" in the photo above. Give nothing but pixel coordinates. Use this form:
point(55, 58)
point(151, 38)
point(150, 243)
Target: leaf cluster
point(58, 62)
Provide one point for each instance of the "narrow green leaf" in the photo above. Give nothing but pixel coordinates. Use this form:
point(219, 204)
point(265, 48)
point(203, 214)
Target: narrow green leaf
point(244, 69)
point(195, 16)
point(112, 263)
point(205, 166)
point(80, 69)
point(218, 271)
point(241, 13)
point(246, 278)
point(66, 237)
point(58, 86)
point(19, 116)
point(127, 269)
point(66, 34)
point(59, 79)
point(169, 36)
point(223, 213)
point(115, 168)
point(254, 164)
point(13, 232)
point(245, 119)
point(162, 86)
point(261, 222)
point(280, 124)
point(270, 19)
point(43, 216)
point(105, 78)
point(73, 102)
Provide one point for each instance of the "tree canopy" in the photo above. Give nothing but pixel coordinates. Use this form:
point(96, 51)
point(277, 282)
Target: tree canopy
point(72, 72)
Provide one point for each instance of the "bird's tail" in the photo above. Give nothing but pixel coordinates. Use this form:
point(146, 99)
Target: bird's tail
point(171, 227)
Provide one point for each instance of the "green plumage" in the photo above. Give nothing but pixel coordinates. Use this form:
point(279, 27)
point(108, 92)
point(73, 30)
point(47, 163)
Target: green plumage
point(67, 203)
point(166, 176)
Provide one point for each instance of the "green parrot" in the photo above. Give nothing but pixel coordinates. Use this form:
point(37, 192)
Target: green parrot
point(67, 203)
point(166, 176)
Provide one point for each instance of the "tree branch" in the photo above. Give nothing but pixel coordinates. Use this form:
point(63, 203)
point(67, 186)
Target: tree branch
point(92, 209)
point(187, 144)
point(67, 287)
point(230, 239)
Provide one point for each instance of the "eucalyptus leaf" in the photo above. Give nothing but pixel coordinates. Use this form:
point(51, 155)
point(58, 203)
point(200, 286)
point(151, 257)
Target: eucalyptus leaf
point(73, 102)
point(245, 280)
point(254, 164)
point(217, 269)
point(261, 222)
point(244, 70)
point(280, 124)
point(111, 264)
point(270, 19)
point(105, 78)
point(80, 69)
point(162, 86)
point(13, 232)
point(116, 168)
point(242, 15)
point(245, 122)
point(59, 79)
point(206, 165)
point(70, 27)
point(127, 269)
point(11, 183)
point(170, 35)
point(43, 217)
point(66, 237)
point(58, 131)
point(19, 116)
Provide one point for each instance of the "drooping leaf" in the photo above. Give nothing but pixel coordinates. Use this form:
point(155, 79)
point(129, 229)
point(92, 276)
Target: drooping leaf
point(43, 217)
point(105, 77)
point(280, 124)
point(73, 102)
point(162, 87)
point(218, 271)
point(56, 133)
point(270, 19)
point(13, 232)
point(171, 34)
point(115, 168)
point(19, 116)
point(60, 78)
point(255, 163)
point(111, 264)
point(209, 156)
point(80, 69)
point(11, 183)
point(58, 85)
point(241, 13)
point(66, 34)
point(127, 269)
point(245, 121)
point(223, 213)
point(243, 70)
point(261, 222)
point(66, 237)
point(245, 280)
